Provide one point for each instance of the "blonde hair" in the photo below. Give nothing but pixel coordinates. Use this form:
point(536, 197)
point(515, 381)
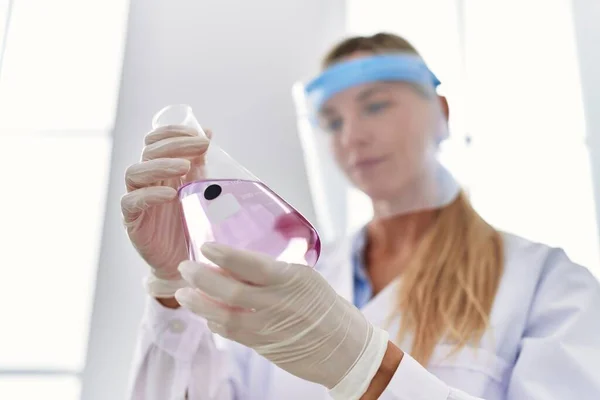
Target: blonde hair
point(448, 287)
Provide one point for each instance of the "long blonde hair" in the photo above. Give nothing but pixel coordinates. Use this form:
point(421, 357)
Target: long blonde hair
point(448, 287)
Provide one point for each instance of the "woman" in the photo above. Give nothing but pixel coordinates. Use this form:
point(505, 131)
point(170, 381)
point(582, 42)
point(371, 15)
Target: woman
point(450, 308)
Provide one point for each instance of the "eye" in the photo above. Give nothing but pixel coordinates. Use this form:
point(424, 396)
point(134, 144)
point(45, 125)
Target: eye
point(333, 125)
point(374, 108)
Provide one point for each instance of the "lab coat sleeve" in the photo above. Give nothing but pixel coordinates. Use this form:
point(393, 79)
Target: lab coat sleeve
point(559, 357)
point(413, 382)
point(178, 356)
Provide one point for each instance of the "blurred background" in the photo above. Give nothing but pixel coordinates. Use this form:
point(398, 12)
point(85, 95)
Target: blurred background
point(80, 81)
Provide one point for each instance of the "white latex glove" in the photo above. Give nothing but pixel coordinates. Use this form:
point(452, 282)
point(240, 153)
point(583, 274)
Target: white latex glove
point(287, 313)
point(171, 155)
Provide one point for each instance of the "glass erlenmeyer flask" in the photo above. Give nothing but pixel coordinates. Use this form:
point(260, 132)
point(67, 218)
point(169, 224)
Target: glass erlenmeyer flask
point(227, 204)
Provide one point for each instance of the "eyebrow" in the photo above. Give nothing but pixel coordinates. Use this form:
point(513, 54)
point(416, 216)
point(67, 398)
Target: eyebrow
point(369, 92)
point(363, 95)
point(327, 112)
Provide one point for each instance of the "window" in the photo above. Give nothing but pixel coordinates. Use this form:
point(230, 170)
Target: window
point(515, 94)
point(533, 175)
point(60, 69)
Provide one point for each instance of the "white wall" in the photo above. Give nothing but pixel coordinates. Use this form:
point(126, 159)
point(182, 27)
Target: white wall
point(235, 63)
point(586, 14)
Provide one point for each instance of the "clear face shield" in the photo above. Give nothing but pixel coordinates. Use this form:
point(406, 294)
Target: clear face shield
point(383, 123)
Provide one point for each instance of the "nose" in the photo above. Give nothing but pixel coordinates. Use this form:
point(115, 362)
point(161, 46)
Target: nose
point(354, 134)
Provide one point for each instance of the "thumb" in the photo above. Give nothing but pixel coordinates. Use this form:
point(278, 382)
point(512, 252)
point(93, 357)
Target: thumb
point(252, 267)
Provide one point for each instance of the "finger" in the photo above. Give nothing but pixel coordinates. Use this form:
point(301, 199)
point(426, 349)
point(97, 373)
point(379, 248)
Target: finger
point(176, 147)
point(163, 288)
point(170, 131)
point(133, 204)
point(197, 172)
point(209, 133)
point(256, 268)
point(218, 286)
point(212, 311)
point(151, 172)
point(197, 169)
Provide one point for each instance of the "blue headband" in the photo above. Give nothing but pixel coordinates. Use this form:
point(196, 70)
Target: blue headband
point(384, 67)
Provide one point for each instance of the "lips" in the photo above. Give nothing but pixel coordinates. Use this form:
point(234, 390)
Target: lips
point(367, 163)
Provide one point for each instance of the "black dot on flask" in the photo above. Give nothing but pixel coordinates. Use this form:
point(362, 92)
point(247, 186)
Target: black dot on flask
point(212, 192)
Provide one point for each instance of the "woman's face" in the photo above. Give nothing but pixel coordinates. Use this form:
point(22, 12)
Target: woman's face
point(382, 134)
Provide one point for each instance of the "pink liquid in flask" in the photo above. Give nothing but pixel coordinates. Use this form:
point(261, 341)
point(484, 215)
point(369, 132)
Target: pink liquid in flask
point(246, 214)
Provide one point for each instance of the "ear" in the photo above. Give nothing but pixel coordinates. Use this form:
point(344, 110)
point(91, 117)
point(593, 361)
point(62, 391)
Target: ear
point(445, 108)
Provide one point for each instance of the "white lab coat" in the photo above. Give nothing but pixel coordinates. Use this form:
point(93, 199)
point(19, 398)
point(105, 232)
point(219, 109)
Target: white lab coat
point(544, 343)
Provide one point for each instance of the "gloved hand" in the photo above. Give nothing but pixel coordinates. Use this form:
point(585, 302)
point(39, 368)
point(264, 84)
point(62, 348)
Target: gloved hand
point(171, 156)
point(287, 313)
